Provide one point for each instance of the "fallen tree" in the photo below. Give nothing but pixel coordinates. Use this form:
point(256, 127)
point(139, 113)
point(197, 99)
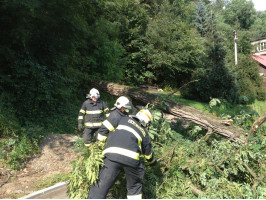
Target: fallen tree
point(212, 125)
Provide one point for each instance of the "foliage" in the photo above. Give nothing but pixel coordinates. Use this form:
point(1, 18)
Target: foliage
point(8, 128)
point(16, 151)
point(214, 102)
point(245, 119)
point(160, 130)
point(49, 50)
point(250, 83)
point(218, 168)
point(234, 14)
point(202, 19)
point(213, 78)
point(259, 107)
point(17, 144)
point(258, 29)
point(85, 170)
point(261, 93)
point(173, 48)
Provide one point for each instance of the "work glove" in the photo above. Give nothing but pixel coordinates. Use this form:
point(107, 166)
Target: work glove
point(80, 127)
point(154, 163)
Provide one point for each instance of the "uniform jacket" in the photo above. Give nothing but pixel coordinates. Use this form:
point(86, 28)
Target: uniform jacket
point(110, 124)
point(93, 113)
point(128, 142)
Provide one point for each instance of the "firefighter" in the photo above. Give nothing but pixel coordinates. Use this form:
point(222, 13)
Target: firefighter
point(93, 109)
point(122, 105)
point(122, 153)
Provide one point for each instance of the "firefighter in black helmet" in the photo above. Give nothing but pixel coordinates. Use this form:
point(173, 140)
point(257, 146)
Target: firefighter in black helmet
point(122, 105)
point(122, 152)
point(92, 112)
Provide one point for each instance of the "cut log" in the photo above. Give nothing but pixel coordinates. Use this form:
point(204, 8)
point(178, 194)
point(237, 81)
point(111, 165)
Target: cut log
point(175, 108)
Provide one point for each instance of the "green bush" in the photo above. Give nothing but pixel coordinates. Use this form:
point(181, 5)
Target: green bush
point(8, 127)
point(261, 93)
point(249, 81)
point(16, 150)
point(246, 89)
point(212, 83)
point(23, 147)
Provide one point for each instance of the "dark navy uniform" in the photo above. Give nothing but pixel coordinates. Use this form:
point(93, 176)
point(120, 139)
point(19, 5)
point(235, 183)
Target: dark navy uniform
point(94, 116)
point(122, 152)
point(110, 124)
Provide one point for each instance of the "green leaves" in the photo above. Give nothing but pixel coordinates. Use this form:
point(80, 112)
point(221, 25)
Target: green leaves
point(241, 13)
point(85, 171)
point(214, 102)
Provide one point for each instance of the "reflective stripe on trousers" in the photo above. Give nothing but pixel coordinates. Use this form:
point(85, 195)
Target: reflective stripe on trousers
point(89, 124)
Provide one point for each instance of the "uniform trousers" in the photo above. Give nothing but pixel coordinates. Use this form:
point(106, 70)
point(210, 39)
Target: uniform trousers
point(109, 174)
point(88, 134)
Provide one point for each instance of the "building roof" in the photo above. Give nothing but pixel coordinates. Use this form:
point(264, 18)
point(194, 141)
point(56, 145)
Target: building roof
point(258, 39)
point(260, 58)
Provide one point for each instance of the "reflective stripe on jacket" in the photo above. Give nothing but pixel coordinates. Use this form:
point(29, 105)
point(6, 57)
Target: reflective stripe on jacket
point(92, 113)
point(110, 124)
point(128, 142)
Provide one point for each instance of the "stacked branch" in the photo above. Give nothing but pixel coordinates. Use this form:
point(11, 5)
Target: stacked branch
point(175, 108)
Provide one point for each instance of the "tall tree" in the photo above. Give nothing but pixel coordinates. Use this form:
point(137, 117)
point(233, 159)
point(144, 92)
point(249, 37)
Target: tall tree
point(173, 50)
point(258, 28)
point(240, 13)
point(214, 80)
point(202, 18)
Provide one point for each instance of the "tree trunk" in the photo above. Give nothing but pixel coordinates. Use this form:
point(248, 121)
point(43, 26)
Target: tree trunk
point(188, 113)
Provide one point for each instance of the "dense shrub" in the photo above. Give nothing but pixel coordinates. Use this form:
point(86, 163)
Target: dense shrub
point(246, 89)
point(261, 93)
point(213, 83)
point(249, 81)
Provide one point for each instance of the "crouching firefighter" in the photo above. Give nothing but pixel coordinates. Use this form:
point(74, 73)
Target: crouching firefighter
point(93, 110)
point(122, 105)
point(122, 153)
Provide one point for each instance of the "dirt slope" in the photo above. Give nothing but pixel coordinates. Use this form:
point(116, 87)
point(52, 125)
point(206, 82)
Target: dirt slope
point(57, 152)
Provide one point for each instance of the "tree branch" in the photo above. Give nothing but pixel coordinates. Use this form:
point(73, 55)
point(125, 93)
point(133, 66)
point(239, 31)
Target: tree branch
point(207, 136)
point(257, 124)
point(257, 182)
point(194, 189)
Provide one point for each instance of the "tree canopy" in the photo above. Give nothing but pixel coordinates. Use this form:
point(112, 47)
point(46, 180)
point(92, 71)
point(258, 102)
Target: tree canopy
point(49, 50)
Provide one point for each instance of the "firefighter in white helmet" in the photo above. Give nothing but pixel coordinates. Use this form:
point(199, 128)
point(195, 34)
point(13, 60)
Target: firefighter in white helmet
point(122, 153)
point(122, 105)
point(92, 113)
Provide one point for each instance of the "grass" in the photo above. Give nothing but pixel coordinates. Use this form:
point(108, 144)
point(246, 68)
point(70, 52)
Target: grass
point(224, 109)
point(259, 106)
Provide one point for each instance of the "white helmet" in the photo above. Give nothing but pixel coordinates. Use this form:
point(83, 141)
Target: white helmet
point(122, 102)
point(93, 93)
point(144, 117)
